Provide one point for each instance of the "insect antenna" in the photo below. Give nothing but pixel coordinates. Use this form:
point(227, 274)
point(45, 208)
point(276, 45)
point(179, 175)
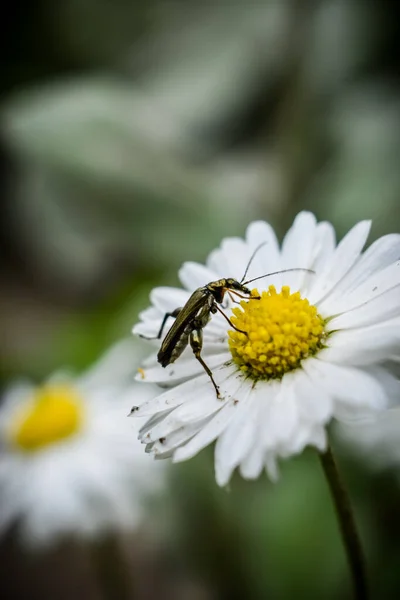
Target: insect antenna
point(251, 260)
point(277, 273)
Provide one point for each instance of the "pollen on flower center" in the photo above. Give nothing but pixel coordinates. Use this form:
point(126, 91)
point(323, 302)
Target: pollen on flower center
point(282, 329)
point(54, 413)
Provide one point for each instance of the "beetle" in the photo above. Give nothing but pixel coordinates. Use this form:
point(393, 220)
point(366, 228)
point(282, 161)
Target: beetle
point(191, 319)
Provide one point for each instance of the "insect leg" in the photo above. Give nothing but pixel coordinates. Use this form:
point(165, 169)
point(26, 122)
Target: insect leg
point(174, 314)
point(229, 321)
point(226, 304)
point(244, 297)
point(196, 343)
point(233, 300)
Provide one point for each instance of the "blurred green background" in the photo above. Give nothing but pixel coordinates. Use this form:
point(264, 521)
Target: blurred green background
point(133, 137)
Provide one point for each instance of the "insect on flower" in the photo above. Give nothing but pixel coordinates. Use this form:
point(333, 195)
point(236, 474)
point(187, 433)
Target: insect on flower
point(191, 319)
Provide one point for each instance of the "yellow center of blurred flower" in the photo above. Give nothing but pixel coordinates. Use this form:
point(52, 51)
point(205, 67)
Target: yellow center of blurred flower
point(54, 413)
point(282, 329)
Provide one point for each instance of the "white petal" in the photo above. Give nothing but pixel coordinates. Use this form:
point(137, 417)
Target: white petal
point(207, 434)
point(279, 412)
point(298, 441)
point(379, 283)
point(228, 377)
point(266, 444)
point(268, 259)
point(13, 396)
point(213, 428)
point(318, 438)
point(376, 437)
point(149, 361)
point(297, 249)
point(314, 402)
point(12, 486)
point(265, 393)
point(230, 260)
point(191, 389)
point(271, 467)
point(151, 423)
point(236, 441)
point(167, 299)
point(324, 247)
point(345, 255)
point(389, 382)
point(166, 447)
point(283, 416)
point(252, 465)
point(384, 307)
point(186, 366)
point(325, 243)
point(150, 314)
point(382, 253)
point(194, 275)
point(191, 411)
point(346, 414)
point(216, 329)
point(171, 398)
point(217, 262)
point(364, 346)
point(346, 384)
point(150, 330)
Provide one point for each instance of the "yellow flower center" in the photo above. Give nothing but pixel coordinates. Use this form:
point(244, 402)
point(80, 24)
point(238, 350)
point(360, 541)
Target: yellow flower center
point(282, 329)
point(54, 413)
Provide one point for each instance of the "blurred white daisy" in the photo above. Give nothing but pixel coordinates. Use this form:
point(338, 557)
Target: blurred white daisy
point(376, 440)
point(69, 459)
point(314, 347)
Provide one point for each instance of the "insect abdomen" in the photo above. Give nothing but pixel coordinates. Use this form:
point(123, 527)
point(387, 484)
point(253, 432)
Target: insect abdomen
point(166, 358)
point(177, 338)
point(181, 345)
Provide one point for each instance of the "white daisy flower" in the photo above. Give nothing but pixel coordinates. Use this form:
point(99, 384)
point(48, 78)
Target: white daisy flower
point(376, 440)
point(314, 347)
point(68, 464)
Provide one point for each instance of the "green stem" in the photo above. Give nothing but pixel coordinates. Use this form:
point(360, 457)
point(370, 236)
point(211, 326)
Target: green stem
point(350, 537)
point(111, 569)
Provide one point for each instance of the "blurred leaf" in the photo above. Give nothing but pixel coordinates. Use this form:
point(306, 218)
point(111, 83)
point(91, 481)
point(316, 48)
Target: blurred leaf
point(100, 128)
point(362, 180)
point(223, 56)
